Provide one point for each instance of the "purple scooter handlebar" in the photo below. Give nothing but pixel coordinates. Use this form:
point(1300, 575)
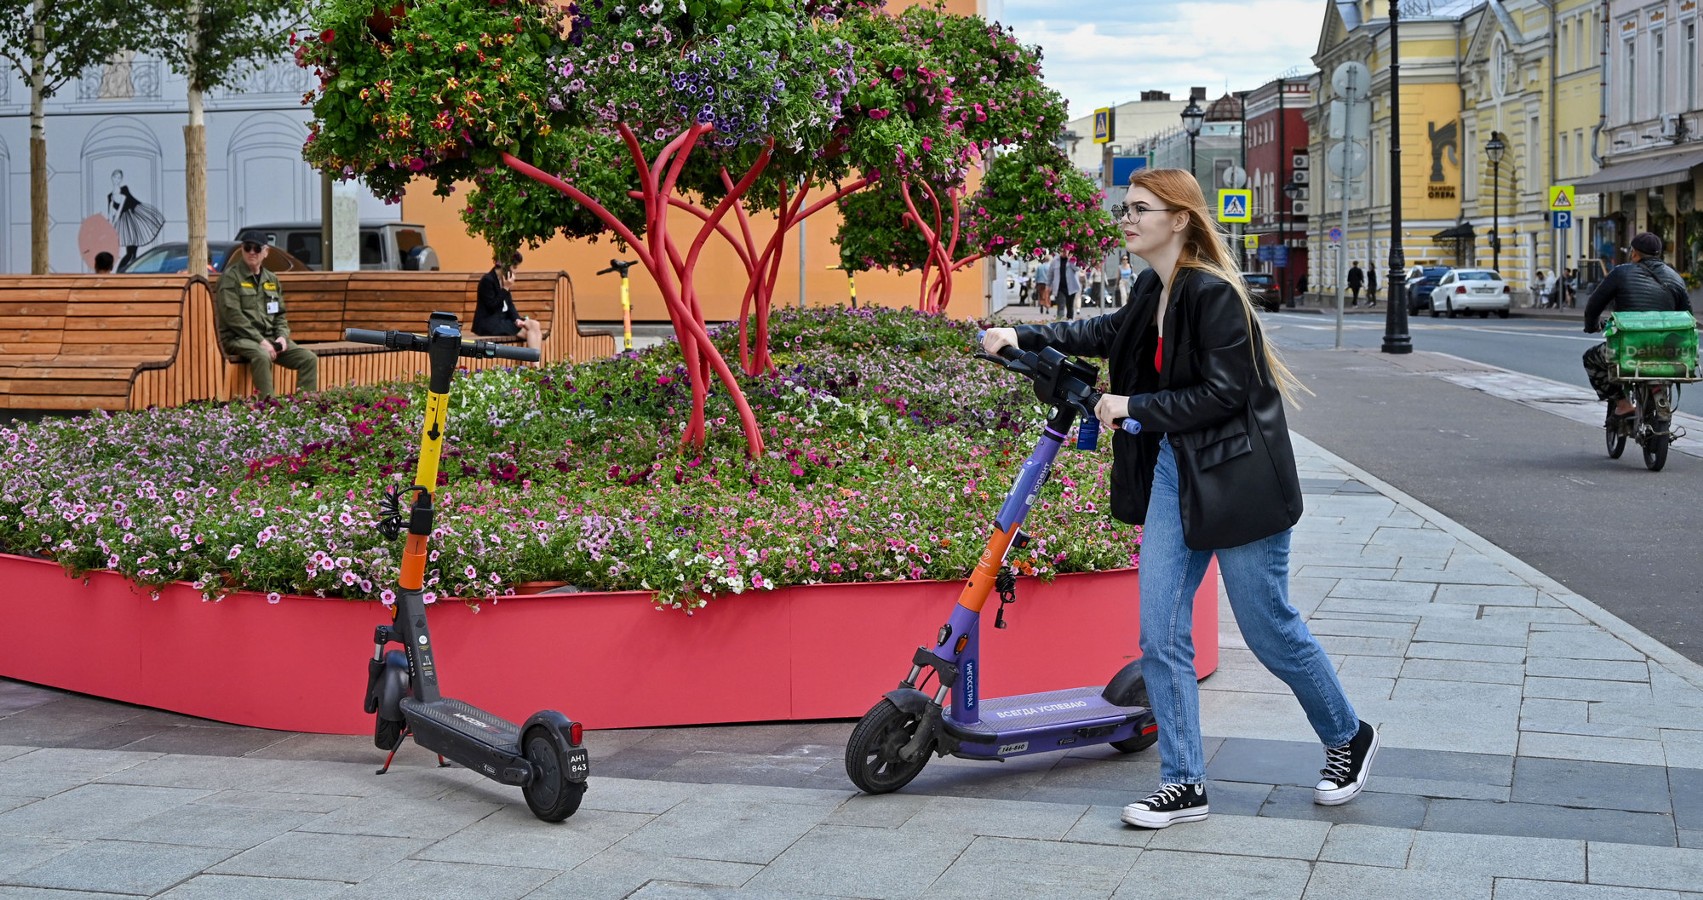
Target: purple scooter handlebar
point(1024, 363)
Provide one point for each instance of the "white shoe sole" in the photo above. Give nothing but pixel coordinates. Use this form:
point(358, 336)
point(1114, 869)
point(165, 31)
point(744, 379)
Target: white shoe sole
point(1348, 792)
point(1145, 818)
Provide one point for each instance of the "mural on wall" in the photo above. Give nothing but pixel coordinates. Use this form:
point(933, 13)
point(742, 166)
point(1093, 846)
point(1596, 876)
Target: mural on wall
point(137, 223)
point(1444, 140)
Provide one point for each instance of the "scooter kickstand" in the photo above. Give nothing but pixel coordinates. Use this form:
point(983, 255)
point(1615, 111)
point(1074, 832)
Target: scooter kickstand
point(442, 763)
point(392, 755)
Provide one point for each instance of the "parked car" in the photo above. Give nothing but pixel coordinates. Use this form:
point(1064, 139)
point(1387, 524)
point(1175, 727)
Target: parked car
point(1420, 286)
point(1262, 287)
point(174, 257)
point(384, 245)
point(1471, 290)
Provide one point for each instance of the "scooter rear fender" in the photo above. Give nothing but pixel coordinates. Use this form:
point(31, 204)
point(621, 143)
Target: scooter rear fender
point(557, 728)
point(392, 686)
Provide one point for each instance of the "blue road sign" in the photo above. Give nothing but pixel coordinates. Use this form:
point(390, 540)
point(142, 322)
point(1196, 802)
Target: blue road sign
point(1336, 235)
point(1280, 256)
point(1122, 168)
point(1563, 218)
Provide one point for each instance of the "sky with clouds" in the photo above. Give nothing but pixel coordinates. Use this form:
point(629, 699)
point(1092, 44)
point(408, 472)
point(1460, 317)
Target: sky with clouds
point(1101, 53)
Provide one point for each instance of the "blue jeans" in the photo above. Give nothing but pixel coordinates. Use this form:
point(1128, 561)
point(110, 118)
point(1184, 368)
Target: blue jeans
point(1256, 578)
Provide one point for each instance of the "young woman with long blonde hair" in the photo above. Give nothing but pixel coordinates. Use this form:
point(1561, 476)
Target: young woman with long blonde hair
point(1211, 473)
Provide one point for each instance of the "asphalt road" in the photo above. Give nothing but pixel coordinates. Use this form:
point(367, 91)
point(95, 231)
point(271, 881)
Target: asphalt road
point(1537, 485)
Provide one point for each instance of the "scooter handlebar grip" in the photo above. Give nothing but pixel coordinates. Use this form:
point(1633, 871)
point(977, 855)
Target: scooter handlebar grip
point(366, 336)
point(1130, 426)
point(488, 350)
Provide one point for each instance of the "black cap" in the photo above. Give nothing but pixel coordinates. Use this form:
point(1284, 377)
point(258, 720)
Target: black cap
point(1647, 244)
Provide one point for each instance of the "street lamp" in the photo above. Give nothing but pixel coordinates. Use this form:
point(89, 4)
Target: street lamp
point(1494, 148)
point(1292, 191)
point(1396, 338)
point(1192, 117)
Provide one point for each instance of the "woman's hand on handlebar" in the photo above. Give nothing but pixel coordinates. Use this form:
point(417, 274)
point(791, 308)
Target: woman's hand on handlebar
point(1111, 409)
point(996, 339)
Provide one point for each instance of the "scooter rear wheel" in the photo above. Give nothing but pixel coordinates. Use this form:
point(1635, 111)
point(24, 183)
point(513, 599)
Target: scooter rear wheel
point(1134, 693)
point(550, 795)
point(872, 753)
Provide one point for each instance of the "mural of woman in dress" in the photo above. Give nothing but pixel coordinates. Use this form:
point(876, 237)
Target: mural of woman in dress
point(137, 222)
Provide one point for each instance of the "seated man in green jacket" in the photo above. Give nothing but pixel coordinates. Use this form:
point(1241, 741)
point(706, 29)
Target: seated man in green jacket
point(252, 327)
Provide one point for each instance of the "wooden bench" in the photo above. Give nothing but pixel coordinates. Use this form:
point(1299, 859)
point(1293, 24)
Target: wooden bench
point(328, 302)
point(101, 342)
point(80, 342)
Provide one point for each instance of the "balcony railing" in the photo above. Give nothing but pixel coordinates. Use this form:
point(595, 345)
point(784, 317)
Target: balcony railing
point(122, 79)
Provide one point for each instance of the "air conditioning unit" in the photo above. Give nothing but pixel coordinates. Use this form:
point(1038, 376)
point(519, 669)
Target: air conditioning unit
point(1300, 176)
point(1299, 161)
point(1299, 208)
point(1673, 127)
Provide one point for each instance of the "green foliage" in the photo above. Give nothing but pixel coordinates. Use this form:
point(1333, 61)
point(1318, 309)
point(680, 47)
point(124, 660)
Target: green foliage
point(1033, 201)
point(76, 36)
point(219, 54)
point(874, 233)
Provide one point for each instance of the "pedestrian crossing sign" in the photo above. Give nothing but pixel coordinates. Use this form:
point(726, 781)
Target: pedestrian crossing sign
point(1561, 198)
point(1251, 241)
point(1235, 206)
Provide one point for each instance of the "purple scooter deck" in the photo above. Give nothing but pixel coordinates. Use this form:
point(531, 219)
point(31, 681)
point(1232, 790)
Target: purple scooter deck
point(1036, 723)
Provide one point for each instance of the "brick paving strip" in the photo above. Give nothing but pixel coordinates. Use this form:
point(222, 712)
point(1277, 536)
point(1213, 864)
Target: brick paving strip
point(1535, 746)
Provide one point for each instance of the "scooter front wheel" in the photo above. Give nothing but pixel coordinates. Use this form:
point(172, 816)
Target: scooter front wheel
point(387, 733)
point(872, 754)
point(550, 795)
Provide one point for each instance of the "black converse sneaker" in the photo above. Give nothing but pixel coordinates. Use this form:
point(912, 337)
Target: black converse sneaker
point(1170, 803)
point(1346, 768)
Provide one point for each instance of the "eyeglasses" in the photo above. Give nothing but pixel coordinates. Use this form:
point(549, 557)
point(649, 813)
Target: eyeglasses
point(252, 248)
point(1123, 212)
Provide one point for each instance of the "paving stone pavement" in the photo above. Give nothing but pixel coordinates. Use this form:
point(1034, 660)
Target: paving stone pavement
point(1534, 747)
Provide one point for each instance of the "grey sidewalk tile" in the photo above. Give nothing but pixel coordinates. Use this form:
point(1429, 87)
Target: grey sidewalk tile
point(1445, 765)
point(1547, 616)
point(1598, 730)
point(94, 810)
point(288, 776)
point(1590, 747)
point(1543, 820)
point(1246, 836)
point(877, 810)
point(1672, 690)
point(666, 890)
point(1672, 868)
point(1466, 700)
point(20, 852)
point(1592, 785)
point(1653, 715)
point(721, 828)
point(9, 803)
point(1466, 727)
point(635, 795)
point(1686, 786)
point(1415, 542)
point(7, 751)
point(1524, 889)
point(1368, 666)
point(1323, 625)
point(1265, 762)
point(195, 825)
point(1337, 645)
point(775, 769)
point(1366, 589)
point(1582, 645)
point(120, 867)
point(1622, 692)
point(1683, 753)
point(1366, 689)
point(206, 739)
point(626, 870)
point(405, 818)
point(1536, 711)
point(1372, 807)
point(1499, 855)
point(1339, 572)
point(862, 862)
point(515, 838)
point(1403, 610)
point(426, 878)
point(1692, 840)
point(995, 818)
point(222, 887)
point(1229, 876)
point(825, 799)
point(282, 802)
point(1498, 654)
point(1487, 594)
point(1104, 825)
point(334, 857)
point(1474, 568)
point(638, 762)
point(1464, 630)
point(1335, 881)
point(1594, 669)
point(53, 770)
point(1464, 670)
point(983, 779)
point(1367, 845)
point(1025, 868)
point(1441, 789)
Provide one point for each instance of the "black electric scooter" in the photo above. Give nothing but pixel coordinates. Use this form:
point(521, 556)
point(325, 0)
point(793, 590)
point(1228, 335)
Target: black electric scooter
point(544, 756)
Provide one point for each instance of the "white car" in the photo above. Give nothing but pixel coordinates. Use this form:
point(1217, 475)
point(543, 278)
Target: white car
point(1471, 290)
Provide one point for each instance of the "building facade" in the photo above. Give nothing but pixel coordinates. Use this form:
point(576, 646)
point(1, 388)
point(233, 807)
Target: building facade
point(1648, 132)
point(1279, 157)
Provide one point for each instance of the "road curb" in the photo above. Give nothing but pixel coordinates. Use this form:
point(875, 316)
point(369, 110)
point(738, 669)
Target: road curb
point(1674, 661)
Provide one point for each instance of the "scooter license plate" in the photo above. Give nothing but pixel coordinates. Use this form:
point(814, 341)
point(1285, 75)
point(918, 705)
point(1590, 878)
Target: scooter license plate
point(579, 764)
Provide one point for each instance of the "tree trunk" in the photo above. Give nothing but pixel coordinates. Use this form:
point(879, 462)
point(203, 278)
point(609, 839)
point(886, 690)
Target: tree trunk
point(195, 153)
point(38, 146)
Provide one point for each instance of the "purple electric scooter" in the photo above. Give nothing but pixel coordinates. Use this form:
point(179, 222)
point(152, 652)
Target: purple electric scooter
point(893, 741)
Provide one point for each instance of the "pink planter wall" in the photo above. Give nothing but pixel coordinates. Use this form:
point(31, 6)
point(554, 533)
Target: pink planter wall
point(609, 660)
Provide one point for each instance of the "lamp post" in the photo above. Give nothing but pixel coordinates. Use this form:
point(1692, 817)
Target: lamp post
point(1290, 190)
point(1396, 338)
point(1494, 148)
point(1193, 115)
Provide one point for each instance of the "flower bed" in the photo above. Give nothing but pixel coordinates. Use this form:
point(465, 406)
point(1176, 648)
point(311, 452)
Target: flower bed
point(889, 447)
